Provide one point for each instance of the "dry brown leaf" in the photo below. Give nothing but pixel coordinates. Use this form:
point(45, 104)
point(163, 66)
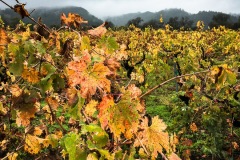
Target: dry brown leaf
point(19, 8)
point(99, 31)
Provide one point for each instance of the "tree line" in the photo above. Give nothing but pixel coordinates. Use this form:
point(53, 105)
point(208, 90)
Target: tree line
point(184, 23)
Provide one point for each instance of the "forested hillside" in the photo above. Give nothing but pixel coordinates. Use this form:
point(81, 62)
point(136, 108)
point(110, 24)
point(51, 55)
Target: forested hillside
point(50, 16)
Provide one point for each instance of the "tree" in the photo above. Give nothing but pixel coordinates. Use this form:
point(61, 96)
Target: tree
point(173, 22)
point(109, 24)
point(136, 22)
point(186, 23)
point(153, 23)
point(221, 19)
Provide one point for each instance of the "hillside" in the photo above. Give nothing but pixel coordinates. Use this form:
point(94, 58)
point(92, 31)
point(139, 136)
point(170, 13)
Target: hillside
point(50, 16)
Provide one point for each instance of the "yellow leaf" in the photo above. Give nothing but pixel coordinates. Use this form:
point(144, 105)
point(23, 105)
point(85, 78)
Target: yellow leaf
point(3, 110)
point(3, 144)
point(161, 19)
point(12, 156)
point(37, 131)
point(32, 144)
point(215, 70)
point(91, 108)
point(51, 139)
point(135, 91)
point(154, 138)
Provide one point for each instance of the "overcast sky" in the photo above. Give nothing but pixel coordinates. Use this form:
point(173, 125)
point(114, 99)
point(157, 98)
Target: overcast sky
point(104, 8)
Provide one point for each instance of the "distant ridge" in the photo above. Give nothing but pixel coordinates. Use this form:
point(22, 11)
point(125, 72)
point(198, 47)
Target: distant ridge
point(205, 16)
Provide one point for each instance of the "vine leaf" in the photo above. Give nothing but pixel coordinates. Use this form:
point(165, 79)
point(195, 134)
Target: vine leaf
point(32, 144)
point(19, 8)
point(223, 75)
point(154, 137)
point(99, 137)
point(99, 31)
point(37, 131)
point(105, 104)
point(30, 74)
point(12, 156)
point(72, 144)
point(24, 116)
point(15, 90)
point(3, 37)
point(89, 80)
point(173, 156)
point(52, 102)
point(72, 19)
point(90, 108)
point(3, 41)
point(123, 117)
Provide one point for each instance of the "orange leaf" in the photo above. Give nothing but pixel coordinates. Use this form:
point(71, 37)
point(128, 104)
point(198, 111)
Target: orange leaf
point(37, 131)
point(15, 90)
point(72, 20)
point(52, 102)
point(89, 81)
point(24, 116)
point(173, 156)
point(135, 91)
point(107, 101)
point(31, 75)
point(71, 95)
point(99, 31)
point(3, 42)
point(193, 127)
point(3, 37)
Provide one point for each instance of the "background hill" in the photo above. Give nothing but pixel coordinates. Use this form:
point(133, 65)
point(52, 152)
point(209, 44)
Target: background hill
point(50, 16)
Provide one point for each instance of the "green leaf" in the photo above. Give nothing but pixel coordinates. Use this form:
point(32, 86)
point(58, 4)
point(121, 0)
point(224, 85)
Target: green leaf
point(57, 82)
point(40, 48)
point(45, 85)
point(231, 77)
point(49, 69)
point(16, 68)
point(72, 145)
point(75, 112)
point(110, 43)
point(99, 136)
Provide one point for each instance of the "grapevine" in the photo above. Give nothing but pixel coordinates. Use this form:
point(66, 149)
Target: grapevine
point(68, 93)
